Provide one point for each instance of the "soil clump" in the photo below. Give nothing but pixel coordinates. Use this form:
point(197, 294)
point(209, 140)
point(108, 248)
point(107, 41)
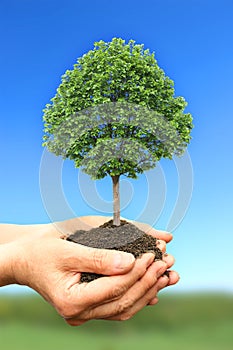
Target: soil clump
point(126, 237)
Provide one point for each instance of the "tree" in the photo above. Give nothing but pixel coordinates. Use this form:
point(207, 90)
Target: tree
point(115, 114)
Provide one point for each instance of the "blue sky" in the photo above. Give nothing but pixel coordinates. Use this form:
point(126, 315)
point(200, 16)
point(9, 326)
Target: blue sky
point(192, 41)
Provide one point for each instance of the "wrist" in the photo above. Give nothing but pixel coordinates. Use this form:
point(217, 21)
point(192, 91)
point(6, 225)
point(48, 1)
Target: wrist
point(16, 251)
point(7, 264)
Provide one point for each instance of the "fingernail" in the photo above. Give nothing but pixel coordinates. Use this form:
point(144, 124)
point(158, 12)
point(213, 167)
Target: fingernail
point(123, 260)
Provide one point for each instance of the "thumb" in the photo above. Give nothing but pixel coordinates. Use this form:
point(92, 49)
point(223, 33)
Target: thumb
point(101, 261)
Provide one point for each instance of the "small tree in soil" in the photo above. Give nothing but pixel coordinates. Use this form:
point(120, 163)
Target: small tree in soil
point(115, 114)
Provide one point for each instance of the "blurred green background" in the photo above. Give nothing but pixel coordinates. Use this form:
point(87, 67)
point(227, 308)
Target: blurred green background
point(179, 321)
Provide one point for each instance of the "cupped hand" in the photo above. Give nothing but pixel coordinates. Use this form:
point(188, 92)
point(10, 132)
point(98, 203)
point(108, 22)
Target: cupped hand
point(53, 266)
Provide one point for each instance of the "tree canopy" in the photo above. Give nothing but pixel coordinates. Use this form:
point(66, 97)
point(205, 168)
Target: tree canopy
point(117, 71)
point(116, 112)
point(115, 138)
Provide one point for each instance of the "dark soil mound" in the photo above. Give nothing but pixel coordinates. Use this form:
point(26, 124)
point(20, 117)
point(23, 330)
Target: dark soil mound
point(126, 237)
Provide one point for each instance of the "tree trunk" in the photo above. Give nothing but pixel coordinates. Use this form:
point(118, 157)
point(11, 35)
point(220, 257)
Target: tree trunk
point(116, 200)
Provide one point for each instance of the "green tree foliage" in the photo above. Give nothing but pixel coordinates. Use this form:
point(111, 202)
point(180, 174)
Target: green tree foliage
point(115, 113)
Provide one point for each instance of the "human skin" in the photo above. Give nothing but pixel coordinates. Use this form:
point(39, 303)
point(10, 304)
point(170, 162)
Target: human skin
point(36, 256)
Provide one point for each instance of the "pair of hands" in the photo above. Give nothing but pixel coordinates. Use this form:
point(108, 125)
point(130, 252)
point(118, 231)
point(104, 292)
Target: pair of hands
point(52, 266)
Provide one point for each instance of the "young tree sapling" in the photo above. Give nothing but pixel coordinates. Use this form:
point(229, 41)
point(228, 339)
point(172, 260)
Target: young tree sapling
point(115, 114)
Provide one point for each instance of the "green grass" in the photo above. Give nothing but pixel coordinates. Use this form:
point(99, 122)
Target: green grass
point(192, 322)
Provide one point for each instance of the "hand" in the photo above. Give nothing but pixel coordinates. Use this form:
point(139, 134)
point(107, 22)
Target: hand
point(88, 222)
point(53, 267)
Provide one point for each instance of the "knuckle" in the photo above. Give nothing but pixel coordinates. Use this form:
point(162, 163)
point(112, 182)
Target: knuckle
point(124, 305)
point(117, 291)
point(99, 258)
point(66, 309)
point(66, 312)
point(147, 283)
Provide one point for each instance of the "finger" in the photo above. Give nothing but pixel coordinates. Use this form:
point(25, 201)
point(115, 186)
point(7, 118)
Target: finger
point(173, 278)
point(142, 302)
point(161, 245)
point(162, 282)
point(163, 235)
point(154, 301)
point(169, 260)
point(137, 291)
point(106, 289)
point(151, 295)
point(100, 261)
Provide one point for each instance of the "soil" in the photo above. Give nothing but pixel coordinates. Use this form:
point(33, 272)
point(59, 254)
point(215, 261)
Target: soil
point(126, 237)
